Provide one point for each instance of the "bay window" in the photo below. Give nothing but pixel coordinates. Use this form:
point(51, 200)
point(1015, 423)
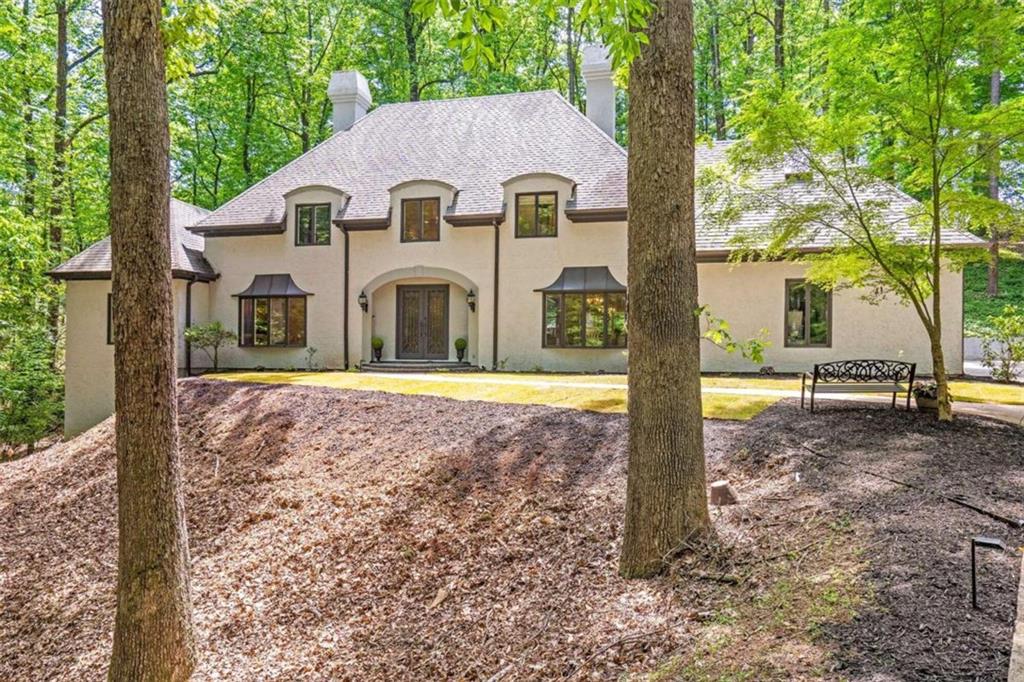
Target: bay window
point(585, 320)
point(272, 321)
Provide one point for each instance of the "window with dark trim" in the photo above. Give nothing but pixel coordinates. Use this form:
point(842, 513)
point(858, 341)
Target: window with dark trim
point(272, 321)
point(110, 319)
point(808, 314)
point(312, 224)
point(421, 220)
point(585, 320)
point(537, 214)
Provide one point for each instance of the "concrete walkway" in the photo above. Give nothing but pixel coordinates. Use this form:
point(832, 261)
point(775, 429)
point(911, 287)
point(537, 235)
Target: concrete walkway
point(1013, 414)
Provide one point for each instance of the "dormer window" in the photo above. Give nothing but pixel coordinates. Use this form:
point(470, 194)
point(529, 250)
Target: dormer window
point(312, 224)
point(421, 220)
point(537, 214)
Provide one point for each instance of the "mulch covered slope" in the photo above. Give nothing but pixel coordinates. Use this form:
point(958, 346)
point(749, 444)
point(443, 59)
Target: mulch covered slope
point(354, 535)
point(920, 625)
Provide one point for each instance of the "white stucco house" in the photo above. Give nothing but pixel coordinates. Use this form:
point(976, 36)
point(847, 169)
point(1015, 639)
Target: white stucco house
point(500, 220)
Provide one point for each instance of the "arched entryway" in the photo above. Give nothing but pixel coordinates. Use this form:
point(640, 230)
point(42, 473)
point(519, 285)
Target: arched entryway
point(419, 313)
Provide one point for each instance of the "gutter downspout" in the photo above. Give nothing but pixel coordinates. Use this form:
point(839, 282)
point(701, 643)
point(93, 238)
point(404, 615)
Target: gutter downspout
point(188, 324)
point(344, 231)
point(494, 333)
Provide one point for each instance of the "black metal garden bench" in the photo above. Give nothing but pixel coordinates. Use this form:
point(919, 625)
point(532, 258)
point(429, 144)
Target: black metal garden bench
point(860, 376)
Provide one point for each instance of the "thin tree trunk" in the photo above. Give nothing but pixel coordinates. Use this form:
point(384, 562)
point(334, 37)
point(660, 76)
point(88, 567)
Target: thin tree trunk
point(409, 24)
point(666, 500)
point(779, 24)
point(55, 228)
point(251, 91)
point(153, 637)
point(993, 193)
point(935, 330)
point(570, 56)
point(30, 163)
point(716, 77)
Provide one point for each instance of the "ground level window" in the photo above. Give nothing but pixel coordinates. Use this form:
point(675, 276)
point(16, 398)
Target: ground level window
point(272, 321)
point(585, 320)
point(808, 314)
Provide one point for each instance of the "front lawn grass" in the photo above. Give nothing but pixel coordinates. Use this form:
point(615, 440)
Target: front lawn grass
point(978, 307)
point(987, 392)
point(737, 407)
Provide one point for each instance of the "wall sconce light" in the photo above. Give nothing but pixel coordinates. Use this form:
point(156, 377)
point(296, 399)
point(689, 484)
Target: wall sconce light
point(471, 300)
point(364, 302)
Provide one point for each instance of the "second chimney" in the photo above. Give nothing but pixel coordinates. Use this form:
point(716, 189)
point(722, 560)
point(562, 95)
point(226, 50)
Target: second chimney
point(350, 94)
point(597, 73)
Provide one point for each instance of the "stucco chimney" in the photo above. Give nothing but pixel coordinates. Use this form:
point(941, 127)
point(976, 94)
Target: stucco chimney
point(597, 73)
point(350, 94)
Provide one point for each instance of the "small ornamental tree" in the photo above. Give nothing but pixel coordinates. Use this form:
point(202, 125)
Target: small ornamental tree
point(1002, 349)
point(896, 100)
point(209, 338)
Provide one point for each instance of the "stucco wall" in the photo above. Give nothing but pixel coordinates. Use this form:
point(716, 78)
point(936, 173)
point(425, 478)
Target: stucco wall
point(464, 256)
point(316, 269)
point(534, 263)
point(88, 359)
point(752, 296)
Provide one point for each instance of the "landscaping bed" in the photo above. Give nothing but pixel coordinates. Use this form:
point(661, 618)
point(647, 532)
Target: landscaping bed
point(361, 535)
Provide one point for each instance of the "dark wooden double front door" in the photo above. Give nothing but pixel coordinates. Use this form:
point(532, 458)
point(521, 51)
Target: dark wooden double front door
point(423, 322)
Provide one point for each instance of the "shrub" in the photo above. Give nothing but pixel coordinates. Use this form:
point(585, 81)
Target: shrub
point(209, 338)
point(1002, 348)
point(30, 391)
point(461, 343)
point(377, 343)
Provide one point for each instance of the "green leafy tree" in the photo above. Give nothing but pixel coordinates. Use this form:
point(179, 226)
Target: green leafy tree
point(896, 101)
point(30, 391)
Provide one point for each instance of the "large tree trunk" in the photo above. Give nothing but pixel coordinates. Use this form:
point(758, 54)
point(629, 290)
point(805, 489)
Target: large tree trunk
point(666, 500)
point(993, 193)
point(153, 638)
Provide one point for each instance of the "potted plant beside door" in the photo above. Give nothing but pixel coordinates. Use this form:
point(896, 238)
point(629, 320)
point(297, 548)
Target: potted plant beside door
point(377, 344)
point(460, 348)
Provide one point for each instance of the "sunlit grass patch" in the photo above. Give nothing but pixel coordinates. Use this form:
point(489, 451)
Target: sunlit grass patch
point(477, 386)
point(987, 392)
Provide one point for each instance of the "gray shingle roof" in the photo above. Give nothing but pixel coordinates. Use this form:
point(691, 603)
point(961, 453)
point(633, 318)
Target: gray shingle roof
point(186, 250)
point(474, 144)
point(890, 206)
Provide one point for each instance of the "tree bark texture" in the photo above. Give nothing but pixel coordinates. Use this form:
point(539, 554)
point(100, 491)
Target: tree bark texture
point(153, 638)
point(666, 499)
